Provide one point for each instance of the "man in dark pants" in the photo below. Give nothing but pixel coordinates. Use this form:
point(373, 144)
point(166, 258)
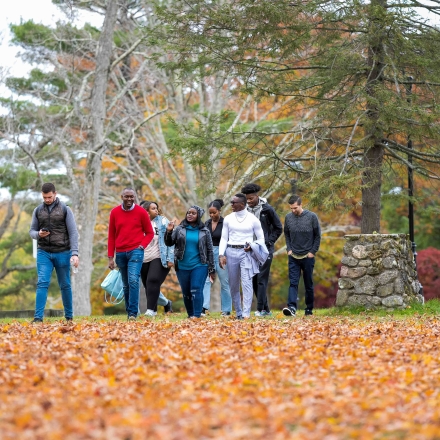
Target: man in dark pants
point(272, 228)
point(303, 237)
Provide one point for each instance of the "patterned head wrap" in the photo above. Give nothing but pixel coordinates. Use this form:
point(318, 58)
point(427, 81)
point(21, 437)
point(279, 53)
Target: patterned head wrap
point(200, 212)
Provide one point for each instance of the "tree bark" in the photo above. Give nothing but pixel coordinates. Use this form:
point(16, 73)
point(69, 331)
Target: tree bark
point(373, 156)
point(371, 194)
point(89, 193)
point(8, 217)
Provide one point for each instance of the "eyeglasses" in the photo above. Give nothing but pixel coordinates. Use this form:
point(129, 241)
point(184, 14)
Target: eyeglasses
point(233, 203)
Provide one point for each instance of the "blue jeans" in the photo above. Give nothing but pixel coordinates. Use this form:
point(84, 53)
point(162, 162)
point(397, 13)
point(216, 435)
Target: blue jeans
point(305, 265)
point(225, 294)
point(130, 264)
point(191, 283)
point(46, 262)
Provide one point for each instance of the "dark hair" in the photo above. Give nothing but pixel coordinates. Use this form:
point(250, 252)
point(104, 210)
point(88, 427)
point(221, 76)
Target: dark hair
point(47, 188)
point(242, 197)
point(217, 204)
point(294, 199)
point(146, 205)
point(251, 188)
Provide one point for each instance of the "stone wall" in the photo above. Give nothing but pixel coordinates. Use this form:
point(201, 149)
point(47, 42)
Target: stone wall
point(378, 270)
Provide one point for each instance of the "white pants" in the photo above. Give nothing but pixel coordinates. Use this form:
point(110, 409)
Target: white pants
point(235, 263)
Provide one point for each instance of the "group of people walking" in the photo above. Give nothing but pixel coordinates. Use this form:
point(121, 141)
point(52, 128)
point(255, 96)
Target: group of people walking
point(145, 245)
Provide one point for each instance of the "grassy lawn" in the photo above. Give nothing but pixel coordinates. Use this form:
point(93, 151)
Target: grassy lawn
point(430, 308)
point(341, 374)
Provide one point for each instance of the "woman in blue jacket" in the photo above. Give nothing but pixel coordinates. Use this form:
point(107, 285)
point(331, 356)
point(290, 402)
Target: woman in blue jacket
point(158, 258)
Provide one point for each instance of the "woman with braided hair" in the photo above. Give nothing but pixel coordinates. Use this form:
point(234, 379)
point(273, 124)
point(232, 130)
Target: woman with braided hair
point(193, 257)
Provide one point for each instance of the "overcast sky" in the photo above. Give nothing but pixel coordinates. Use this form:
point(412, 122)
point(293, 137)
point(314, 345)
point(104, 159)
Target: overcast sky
point(40, 11)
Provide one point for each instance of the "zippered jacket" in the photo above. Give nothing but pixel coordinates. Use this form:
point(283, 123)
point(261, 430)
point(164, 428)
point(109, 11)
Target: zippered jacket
point(177, 238)
point(272, 227)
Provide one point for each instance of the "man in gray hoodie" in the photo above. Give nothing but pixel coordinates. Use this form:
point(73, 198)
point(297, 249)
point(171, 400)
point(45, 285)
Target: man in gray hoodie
point(303, 237)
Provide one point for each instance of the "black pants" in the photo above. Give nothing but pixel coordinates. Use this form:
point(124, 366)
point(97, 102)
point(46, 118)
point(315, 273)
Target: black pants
point(259, 283)
point(153, 274)
point(296, 266)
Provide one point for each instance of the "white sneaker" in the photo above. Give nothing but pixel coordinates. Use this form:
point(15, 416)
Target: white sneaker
point(150, 313)
point(257, 313)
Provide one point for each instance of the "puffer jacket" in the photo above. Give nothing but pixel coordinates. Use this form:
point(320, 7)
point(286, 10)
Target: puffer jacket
point(177, 238)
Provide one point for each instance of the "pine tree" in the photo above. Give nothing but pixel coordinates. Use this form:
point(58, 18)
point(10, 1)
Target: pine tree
point(366, 75)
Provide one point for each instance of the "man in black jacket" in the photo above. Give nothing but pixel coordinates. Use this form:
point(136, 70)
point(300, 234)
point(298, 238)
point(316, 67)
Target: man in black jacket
point(272, 228)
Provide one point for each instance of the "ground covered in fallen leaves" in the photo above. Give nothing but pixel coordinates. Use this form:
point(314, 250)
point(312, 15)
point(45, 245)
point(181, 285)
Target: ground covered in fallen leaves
point(318, 378)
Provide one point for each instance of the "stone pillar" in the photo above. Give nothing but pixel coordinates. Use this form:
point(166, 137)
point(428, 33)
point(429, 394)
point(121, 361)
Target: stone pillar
point(378, 270)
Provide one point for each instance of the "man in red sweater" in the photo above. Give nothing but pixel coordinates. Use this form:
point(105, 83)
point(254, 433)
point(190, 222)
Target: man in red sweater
point(129, 233)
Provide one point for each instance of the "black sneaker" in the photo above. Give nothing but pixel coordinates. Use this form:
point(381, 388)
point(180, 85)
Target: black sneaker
point(289, 311)
point(169, 307)
point(239, 317)
point(226, 314)
point(204, 312)
point(36, 320)
point(308, 312)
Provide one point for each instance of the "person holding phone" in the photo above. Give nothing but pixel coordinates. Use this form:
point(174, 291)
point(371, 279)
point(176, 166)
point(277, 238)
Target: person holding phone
point(215, 227)
point(158, 258)
point(53, 226)
point(193, 257)
point(239, 229)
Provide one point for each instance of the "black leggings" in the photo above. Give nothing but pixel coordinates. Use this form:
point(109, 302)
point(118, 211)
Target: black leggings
point(153, 274)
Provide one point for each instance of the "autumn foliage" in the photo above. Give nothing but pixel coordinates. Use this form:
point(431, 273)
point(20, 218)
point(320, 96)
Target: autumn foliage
point(318, 378)
point(428, 269)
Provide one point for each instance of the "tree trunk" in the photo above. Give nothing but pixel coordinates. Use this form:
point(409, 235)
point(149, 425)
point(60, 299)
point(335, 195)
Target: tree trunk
point(371, 194)
point(89, 197)
point(373, 156)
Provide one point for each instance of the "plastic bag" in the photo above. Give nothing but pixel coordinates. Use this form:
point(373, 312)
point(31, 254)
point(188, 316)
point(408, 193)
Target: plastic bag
point(114, 289)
